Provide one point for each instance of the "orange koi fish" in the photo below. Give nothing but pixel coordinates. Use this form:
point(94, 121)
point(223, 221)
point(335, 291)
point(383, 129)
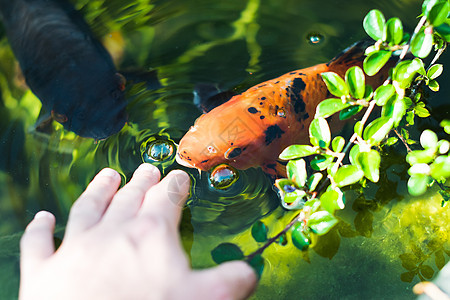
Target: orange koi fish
point(253, 128)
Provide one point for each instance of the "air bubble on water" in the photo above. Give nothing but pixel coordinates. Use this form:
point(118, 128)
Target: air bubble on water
point(223, 176)
point(315, 38)
point(159, 150)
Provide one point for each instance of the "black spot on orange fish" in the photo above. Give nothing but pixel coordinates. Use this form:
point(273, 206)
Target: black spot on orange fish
point(261, 117)
point(297, 87)
point(306, 116)
point(263, 98)
point(252, 110)
point(204, 161)
point(273, 132)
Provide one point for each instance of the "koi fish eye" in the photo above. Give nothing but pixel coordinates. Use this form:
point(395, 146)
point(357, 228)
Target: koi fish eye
point(233, 152)
point(61, 118)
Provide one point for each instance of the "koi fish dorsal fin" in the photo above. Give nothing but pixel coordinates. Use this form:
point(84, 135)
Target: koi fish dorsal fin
point(208, 96)
point(350, 55)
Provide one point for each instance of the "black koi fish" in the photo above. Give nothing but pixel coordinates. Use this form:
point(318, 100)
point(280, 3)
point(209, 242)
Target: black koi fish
point(65, 66)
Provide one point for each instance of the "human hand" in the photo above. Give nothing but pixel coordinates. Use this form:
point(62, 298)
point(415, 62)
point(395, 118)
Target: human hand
point(123, 245)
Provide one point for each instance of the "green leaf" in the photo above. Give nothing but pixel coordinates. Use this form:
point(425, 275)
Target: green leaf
point(393, 31)
point(313, 181)
point(429, 140)
point(443, 146)
point(426, 271)
point(438, 14)
point(353, 154)
point(319, 133)
point(257, 264)
point(444, 31)
point(329, 106)
point(395, 109)
point(321, 222)
point(358, 128)
point(299, 238)
point(421, 44)
point(259, 231)
point(439, 259)
point(377, 130)
point(332, 200)
point(440, 169)
point(321, 162)
point(410, 117)
point(433, 85)
point(407, 276)
point(383, 93)
point(446, 125)
point(391, 141)
point(420, 156)
point(368, 92)
point(435, 71)
point(405, 71)
point(374, 23)
point(291, 197)
point(375, 61)
point(226, 252)
point(338, 144)
point(347, 175)
point(355, 80)
point(349, 112)
point(297, 151)
point(335, 84)
point(296, 171)
point(417, 184)
point(314, 204)
point(421, 111)
point(370, 164)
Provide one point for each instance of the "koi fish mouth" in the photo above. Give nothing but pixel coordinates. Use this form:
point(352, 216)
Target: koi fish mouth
point(181, 161)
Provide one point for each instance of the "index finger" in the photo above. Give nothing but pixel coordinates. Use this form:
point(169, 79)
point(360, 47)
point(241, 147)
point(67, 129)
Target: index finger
point(167, 198)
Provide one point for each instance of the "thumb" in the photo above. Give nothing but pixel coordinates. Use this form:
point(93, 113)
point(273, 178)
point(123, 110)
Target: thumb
point(230, 280)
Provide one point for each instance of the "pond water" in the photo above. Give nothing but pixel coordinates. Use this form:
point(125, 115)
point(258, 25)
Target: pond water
point(386, 239)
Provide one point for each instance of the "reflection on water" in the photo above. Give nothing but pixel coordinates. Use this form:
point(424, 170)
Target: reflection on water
point(384, 239)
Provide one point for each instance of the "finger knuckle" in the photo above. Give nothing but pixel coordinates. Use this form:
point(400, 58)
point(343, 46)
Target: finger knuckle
point(155, 223)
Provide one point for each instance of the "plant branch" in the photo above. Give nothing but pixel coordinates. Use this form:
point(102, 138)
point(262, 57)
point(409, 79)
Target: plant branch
point(403, 140)
point(300, 217)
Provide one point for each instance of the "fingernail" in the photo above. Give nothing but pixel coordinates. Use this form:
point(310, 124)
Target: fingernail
point(43, 214)
point(107, 172)
point(148, 167)
point(177, 173)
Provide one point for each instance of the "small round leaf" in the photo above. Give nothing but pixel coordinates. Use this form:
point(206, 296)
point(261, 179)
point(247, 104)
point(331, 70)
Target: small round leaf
point(259, 231)
point(393, 31)
point(347, 175)
point(354, 77)
point(335, 84)
point(329, 106)
point(374, 23)
point(375, 61)
point(226, 252)
point(421, 44)
point(370, 164)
